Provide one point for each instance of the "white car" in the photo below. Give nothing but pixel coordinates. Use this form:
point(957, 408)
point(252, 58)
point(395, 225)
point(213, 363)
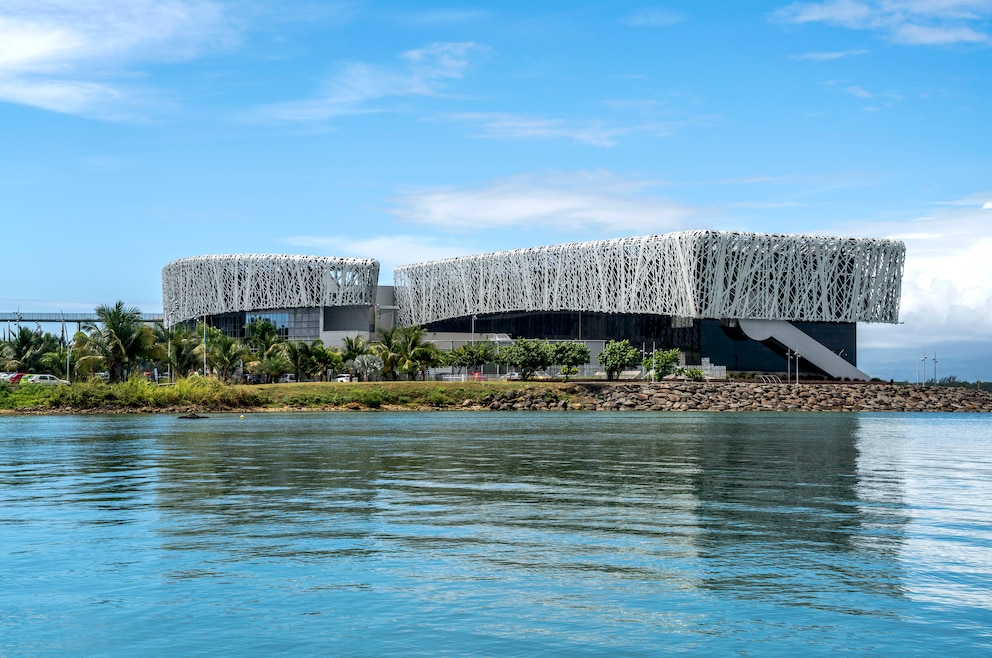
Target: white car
point(343, 378)
point(48, 380)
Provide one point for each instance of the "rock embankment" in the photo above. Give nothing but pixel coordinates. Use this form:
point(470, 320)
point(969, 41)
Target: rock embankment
point(742, 396)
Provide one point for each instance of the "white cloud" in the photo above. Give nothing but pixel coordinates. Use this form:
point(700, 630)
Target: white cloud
point(492, 125)
point(912, 22)
point(935, 35)
point(423, 73)
point(442, 16)
point(857, 91)
point(594, 202)
point(71, 55)
point(390, 250)
point(652, 17)
point(947, 285)
point(826, 57)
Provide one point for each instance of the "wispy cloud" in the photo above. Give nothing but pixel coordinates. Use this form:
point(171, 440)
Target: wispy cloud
point(494, 125)
point(390, 250)
point(421, 72)
point(854, 90)
point(911, 22)
point(74, 56)
point(574, 201)
point(829, 56)
point(435, 17)
point(652, 17)
point(886, 97)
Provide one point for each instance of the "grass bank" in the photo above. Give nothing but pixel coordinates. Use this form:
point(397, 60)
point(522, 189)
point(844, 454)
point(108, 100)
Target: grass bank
point(206, 394)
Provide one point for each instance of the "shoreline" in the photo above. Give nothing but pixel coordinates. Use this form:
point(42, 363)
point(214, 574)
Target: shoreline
point(724, 396)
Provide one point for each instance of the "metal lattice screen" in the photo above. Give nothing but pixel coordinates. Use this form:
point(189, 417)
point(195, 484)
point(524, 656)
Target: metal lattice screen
point(210, 285)
point(692, 274)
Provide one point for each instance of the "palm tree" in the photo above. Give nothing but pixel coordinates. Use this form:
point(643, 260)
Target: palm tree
point(262, 335)
point(355, 346)
point(226, 354)
point(325, 359)
point(416, 353)
point(368, 366)
point(119, 339)
point(179, 343)
point(24, 351)
point(387, 348)
point(300, 355)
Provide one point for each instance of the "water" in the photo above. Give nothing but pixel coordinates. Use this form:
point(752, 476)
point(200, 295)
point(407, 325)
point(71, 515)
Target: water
point(496, 534)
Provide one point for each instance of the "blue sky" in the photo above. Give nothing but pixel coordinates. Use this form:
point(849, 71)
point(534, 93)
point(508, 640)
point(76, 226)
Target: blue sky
point(134, 133)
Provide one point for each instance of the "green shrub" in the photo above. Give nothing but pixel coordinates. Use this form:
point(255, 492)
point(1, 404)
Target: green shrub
point(692, 374)
point(370, 397)
point(438, 398)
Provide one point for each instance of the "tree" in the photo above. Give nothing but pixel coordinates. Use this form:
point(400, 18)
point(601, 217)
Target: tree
point(472, 356)
point(617, 356)
point(368, 366)
point(24, 351)
point(55, 362)
point(569, 356)
point(179, 344)
point(355, 346)
point(416, 353)
point(325, 359)
point(119, 339)
point(225, 354)
point(662, 363)
point(526, 355)
point(261, 335)
point(300, 355)
point(387, 348)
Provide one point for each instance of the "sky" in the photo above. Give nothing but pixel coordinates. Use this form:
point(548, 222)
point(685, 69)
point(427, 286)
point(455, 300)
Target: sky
point(137, 132)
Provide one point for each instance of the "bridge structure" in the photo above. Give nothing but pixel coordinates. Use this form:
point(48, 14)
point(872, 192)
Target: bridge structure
point(28, 317)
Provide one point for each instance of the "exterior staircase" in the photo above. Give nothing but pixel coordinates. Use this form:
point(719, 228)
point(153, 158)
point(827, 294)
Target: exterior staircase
point(792, 338)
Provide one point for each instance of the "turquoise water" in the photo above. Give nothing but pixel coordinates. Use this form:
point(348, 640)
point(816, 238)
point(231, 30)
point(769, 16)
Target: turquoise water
point(470, 534)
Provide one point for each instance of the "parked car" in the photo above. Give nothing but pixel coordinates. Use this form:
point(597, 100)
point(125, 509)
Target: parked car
point(5, 376)
point(343, 378)
point(288, 378)
point(16, 377)
point(47, 380)
point(512, 376)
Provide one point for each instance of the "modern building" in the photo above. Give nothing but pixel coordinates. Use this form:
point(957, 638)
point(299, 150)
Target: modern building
point(305, 297)
point(748, 301)
point(745, 300)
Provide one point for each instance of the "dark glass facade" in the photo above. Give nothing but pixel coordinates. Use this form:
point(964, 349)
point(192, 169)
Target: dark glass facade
point(722, 342)
point(292, 324)
point(726, 345)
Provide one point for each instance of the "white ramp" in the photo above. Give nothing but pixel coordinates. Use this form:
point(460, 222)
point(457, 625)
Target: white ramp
point(791, 337)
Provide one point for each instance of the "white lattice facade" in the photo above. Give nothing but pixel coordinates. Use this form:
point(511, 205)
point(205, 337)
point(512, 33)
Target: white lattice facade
point(212, 285)
point(691, 274)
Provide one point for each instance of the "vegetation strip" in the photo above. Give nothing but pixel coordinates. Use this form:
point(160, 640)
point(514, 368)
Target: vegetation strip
point(199, 394)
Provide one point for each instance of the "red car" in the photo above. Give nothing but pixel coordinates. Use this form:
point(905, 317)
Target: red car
point(16, 377)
